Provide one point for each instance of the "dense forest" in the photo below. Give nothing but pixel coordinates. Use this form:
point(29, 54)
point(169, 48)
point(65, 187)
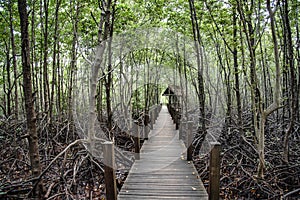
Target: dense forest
point(77, 73)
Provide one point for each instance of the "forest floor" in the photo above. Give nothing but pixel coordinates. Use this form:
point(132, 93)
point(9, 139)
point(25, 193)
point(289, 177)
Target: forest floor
point(78, 175)
point(239, 160)
point(74, 175)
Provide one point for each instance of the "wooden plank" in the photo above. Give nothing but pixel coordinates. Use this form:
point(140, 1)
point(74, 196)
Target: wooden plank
point(127, 197)
point(151, 192)
point(185, 194)
point(163, 171)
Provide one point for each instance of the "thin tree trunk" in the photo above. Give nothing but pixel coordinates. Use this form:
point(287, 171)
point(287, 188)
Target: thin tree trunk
point(39, 58)
point(298, 65)
point(236, 71)
point(227, 73)
point(264, 76)
point(59, 90)
point(34, 62)
point(201, 94)
point(258, 115)
point(4, 89)
point(29, 103)
point(13, 45)
point(293, 81)
point(103, 34)
point(275, 105)
point(73, 61)
point(108, 85)
point(54, 66)
point(100, 100)
point(9, 85)
point(45, 59)
point(244, 70)
point(186, 81)
point(228, 88)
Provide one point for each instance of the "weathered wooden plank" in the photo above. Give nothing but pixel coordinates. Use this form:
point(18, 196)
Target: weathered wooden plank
point(159, 188)
point(127, 197)
point(162, 171)
point(185, 194)
point(146, 196)
point(167, 179)
point(177, 172)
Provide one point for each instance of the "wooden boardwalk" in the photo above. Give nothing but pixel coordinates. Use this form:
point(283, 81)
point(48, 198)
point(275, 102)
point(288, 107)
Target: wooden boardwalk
point(162, 171)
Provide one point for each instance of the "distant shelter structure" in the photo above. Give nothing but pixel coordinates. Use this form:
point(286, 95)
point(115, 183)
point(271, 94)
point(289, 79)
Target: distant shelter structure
point(175, 95)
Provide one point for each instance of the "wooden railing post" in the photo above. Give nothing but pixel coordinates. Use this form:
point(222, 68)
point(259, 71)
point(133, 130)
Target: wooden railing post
point(214, 171)
point(109, 171)
point(177, 120)
point(189, 141)
point(151, 119)
point(183, 131)
point(146, 132)
point(174, 115)
point(155, 113)
point(180, 131)
point(159, 108)
point(137, 141)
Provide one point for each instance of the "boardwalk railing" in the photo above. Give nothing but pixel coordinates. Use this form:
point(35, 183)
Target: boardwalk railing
point(109, 172)
point(153, 112)
point(163, 171)
point(109, 156)
point(214, 148)
point(175, 113)
point(185, 134)
point(214, 171)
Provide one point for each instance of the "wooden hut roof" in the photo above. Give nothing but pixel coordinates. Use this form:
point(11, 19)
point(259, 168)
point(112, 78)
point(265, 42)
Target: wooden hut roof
point(172, 90)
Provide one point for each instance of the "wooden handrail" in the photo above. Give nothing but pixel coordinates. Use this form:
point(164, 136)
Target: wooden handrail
point(137, 141)
point(214, 158)
point(189, 141)
point(182, 128)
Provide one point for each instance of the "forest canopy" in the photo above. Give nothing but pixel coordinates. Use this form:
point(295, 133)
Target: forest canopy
point(74, 73)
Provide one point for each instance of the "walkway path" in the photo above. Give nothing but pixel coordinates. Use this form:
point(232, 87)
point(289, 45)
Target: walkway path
point(163, 172)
